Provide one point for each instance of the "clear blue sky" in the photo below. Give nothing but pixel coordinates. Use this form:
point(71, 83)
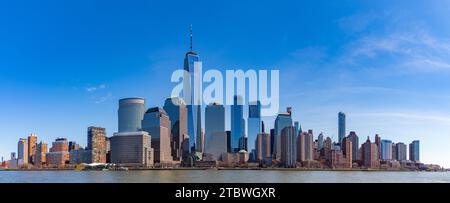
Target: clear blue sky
point(64, 65)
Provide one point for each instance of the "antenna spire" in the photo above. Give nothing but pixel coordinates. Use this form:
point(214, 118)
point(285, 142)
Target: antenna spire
point(191, 37)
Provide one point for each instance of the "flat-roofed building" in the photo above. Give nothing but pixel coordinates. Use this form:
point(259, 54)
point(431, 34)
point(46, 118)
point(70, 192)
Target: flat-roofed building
point(132, 149)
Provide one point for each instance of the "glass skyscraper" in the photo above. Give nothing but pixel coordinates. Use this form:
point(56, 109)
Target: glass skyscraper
point(176, 109)
point(237, 123)
point(401, 151)
point(214, 124)
point(320, 141)
point(341, 126)
point(414, 151)
point(131, 112)
point(283, 120)
point(254, 124)
point(192, 94)
point(386, 150)
point(22, 150)
point(288, 140)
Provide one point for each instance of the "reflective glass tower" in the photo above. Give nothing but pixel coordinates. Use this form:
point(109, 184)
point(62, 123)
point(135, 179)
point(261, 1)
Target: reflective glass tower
point(131, 112)
point(237, 123)
point(386, 150)
point(177, 112)
point(320, 141)
point(191, 93)
point(414, 151)
point(254, 124)
point(341, 126)
point(283, 120)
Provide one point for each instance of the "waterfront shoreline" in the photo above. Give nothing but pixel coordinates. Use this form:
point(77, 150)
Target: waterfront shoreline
point(239, 169)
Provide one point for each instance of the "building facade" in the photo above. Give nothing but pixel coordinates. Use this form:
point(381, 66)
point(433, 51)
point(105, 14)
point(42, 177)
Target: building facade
point(132, 149)
point(176, 110)
point(394, 151)
point(262, 144)
point(32, 141)
point(370, 154)
point(320, 141)
point(215, 135)
point(41, 151)
point(191, 94)
point(355, 145)
point(22, 150)
point(157, 124)
point(386, 150)
point(288, 147)
point(347, 151)
point(58, 156)
point(309, 146)
point(216, 146)
point(96, 139)
point(414, 151)
point(254, 125)
point(341, 126)
point(237, 123)
point(401, 151)
point(131, 112)
point(283, 120)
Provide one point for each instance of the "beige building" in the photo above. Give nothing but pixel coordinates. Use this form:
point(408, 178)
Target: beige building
point(41, 151)
point(262, 147)
point(32, 141)
point(132, 149)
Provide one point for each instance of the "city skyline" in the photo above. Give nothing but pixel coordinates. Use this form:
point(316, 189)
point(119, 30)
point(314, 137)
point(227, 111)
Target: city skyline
point(297, 148)
point(60, 90)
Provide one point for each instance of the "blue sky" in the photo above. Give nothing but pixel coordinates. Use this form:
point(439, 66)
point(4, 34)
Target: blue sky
point(64, 65)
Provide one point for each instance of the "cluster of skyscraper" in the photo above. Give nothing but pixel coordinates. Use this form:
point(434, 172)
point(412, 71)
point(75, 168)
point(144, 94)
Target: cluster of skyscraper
point(173, 135)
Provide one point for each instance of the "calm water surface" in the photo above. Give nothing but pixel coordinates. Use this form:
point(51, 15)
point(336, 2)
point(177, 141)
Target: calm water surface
point(221, 176)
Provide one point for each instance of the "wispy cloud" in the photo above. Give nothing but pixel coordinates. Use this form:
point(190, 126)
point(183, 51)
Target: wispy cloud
point(357, 22)
point(104, 98)
point(411, 116)
point(413, 51)
point(95, 88)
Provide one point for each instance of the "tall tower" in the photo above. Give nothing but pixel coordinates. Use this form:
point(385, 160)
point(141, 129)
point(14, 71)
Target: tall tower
point(131, 112)
point(32, 141)
point(22, 150)
point(215, 135)
point(254, 125)
point(96, 142)
point(237, 123)
point(341, 126)
point(414, 151)
point(283, 120)
point(157, 123)
point(355, 145)
point(192, 94)
point(177, 112)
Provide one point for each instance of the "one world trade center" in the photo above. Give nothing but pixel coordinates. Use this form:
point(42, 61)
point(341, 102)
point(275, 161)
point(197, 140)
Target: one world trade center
point(192, 89)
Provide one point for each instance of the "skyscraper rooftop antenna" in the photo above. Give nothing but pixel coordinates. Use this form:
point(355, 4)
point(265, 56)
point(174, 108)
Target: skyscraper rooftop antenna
point(191, 37)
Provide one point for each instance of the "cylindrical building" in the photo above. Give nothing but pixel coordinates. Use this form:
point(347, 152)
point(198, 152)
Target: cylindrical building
point(131, 112)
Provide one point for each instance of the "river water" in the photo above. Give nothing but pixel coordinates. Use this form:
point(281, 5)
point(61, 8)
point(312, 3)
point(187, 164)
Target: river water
point(222, 176)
